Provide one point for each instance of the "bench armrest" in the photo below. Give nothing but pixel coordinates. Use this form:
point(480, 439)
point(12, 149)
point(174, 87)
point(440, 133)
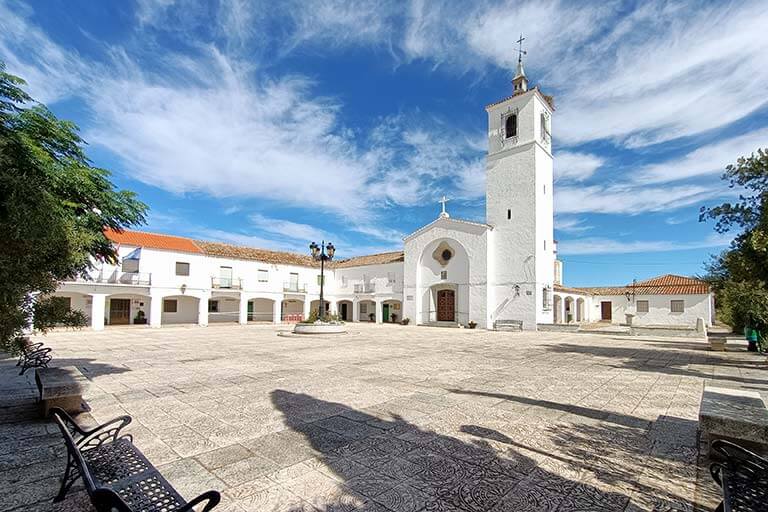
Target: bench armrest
point(733, 452)
point(212, 497)
point(104, 433)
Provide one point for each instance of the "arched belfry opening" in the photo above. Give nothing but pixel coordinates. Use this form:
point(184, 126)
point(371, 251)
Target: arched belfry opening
point(510, 126)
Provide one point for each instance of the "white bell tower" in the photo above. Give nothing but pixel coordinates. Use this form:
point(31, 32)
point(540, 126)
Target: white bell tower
point(519, 205)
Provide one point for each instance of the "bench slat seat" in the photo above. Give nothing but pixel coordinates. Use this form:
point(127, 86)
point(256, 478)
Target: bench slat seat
point(116, 474)
point(742, 476)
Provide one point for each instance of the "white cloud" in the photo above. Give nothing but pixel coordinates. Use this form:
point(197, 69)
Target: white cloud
point(628, 199)
point(598, 245)
point(575, 166)
point(51, 72)
point(708, 159)
point(571, 224)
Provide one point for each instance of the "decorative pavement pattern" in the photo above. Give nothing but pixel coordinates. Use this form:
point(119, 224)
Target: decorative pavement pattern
point(389, 418)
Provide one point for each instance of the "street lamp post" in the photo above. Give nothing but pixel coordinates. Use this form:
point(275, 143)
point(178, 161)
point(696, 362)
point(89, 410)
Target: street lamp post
point(322, 253)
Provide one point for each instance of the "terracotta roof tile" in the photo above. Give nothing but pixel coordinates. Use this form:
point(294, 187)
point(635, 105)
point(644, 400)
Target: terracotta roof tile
point(251, 253)
point(153, 240)
point(668, 284)
point(372, 259)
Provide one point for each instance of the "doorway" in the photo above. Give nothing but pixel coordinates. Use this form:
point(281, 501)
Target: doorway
point(606, 311)
point(343, 311)
point(446, 306)
point(119, 311)
point(385, 312)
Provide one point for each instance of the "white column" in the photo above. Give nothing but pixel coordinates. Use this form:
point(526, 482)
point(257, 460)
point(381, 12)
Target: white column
point(98, 303)
point(563, 319)
point(202, 309)
point(277, 310)
point(307, 303)
point(334, 307)
point(155, 310)
point(379, 312)
point(355, 310)
point(243, 316)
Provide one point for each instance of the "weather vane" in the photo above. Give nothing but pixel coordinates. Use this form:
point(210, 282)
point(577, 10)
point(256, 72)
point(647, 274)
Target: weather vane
point(520, 51)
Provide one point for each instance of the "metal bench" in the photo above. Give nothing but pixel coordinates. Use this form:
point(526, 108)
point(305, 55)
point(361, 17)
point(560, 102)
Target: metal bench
point(742, 476)
point(34, 355)
point(116, 475)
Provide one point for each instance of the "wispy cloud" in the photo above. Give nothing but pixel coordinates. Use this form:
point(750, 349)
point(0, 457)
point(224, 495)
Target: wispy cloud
point(597, 245)
point(571, 224)
point(629, 199)
point(575, 166)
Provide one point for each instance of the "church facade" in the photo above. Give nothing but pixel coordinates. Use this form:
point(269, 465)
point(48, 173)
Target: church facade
point(451, 272)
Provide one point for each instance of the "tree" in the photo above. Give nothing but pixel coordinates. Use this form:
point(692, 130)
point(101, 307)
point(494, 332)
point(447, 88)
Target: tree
point(739, 275)
point(54, 206)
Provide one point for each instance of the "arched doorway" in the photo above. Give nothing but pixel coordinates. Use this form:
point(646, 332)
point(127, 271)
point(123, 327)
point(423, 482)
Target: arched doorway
point(261, 310)
point(179, 309)
point(442, 281)
point(367, 310)
point(570, 314)
point(391, 311)
point(579, 310)
point(127, 308)
point(344, 307)
point(557, 306)
point(292, 310)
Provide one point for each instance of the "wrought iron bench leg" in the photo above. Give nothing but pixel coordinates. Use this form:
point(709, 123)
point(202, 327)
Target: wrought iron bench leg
point(71, 474)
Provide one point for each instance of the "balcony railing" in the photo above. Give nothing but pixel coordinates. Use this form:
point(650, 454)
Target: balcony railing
point(365, 288)
point(295, 287)
point(227, 283)
point(117, 277)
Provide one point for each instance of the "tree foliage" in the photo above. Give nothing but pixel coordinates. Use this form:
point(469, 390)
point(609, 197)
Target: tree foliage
point(739, 275)
point(54, 206)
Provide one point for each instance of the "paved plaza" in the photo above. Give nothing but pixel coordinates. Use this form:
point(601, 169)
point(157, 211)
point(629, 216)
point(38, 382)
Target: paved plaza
point(390, 418)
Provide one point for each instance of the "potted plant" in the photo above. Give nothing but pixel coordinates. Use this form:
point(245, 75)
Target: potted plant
point(372, 317)
point(405, 321)
point(472, 324)
point(140, 318)
point(394, 318)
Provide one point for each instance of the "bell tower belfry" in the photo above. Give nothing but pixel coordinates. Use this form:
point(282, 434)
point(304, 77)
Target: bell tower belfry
point(519, 205)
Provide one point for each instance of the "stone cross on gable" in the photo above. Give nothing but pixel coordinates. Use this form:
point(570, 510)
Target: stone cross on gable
point(442, 202)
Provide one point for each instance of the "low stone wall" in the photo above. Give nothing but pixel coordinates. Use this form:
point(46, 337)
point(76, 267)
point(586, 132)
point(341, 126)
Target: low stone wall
point(558, 327)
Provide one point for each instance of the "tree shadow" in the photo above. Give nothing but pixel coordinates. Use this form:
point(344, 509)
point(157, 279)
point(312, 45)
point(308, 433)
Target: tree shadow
point(390, 464)
point(657, 361)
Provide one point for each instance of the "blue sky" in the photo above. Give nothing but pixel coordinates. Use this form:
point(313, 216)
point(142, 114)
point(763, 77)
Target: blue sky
point(274, 125)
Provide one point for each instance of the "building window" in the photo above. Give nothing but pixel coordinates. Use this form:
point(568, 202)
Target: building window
point(546, 298)
point(170, 306)
point(182, 268)
point(391, 277)
point(263, 276)
point(344, 282)
point(443, 275)
point(545, 190)
point(510, 126)
point(363, 308)
point(677, 306)
point(544, 128)
point(642, 306)
point(509, 214)
point(213, 306)
point(545, 245)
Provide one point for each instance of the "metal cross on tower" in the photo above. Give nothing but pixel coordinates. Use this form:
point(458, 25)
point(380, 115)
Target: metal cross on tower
point(520, 51)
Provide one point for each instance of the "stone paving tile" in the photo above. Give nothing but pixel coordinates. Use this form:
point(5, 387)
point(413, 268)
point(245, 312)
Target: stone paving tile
point(393, 418)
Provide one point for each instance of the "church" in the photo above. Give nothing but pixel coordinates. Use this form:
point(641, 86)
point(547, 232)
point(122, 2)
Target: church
point(501, 274)
point(462, 271)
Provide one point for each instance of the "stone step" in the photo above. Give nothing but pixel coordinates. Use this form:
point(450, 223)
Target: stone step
point(508, 325)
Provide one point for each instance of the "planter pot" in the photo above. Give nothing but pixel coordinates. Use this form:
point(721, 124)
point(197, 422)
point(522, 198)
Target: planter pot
point(320, 329)
point(140, 321)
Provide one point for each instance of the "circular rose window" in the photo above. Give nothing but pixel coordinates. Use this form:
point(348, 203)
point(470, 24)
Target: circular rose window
point(447, 254)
